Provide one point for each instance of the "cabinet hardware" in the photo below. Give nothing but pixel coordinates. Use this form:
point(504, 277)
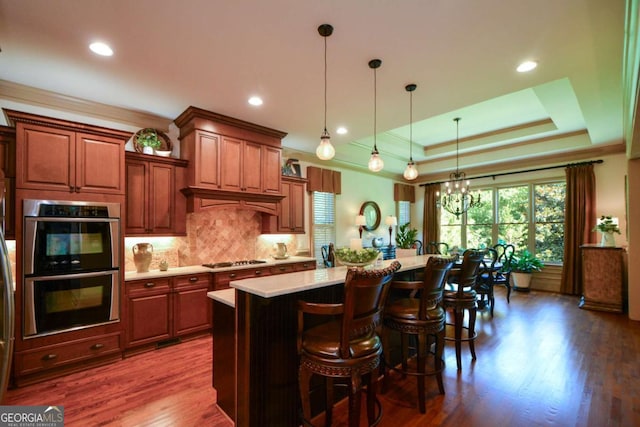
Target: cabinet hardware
point(149, 285)
point(193, 279)
point(232, 275)
point(97, 346)
point(50, 356)
point(258, 272)
point(282, 268)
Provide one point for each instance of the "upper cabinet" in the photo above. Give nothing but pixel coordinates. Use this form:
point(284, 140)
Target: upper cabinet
point(155, 205)
point(8, 165)
point(230, 160)
point(59, 155)
point(290, 217)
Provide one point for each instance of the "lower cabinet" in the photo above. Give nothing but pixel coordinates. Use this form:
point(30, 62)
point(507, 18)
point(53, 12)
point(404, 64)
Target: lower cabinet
point(162, 309)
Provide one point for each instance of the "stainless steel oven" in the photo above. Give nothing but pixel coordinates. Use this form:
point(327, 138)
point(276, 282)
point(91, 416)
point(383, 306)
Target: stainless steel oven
point(71, 265)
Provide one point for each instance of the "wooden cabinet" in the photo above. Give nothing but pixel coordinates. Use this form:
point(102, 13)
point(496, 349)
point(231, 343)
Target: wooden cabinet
point(230, 159)
point(221, 279)
point(154, 203)
point(59, 155)
point(290, 218)
point(8, 165)
point(603, 273)
point(162, 309)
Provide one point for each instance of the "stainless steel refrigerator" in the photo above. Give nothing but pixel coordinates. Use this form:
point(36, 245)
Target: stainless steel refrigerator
point(7, 313)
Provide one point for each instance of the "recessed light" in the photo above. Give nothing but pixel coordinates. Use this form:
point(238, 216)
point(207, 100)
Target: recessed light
point(255, 100)
point(101, 49)
point(341, 130)
point(527, 66)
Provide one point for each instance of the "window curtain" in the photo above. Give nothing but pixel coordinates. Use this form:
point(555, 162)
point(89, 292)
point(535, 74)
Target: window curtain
point(323, 180)
point(431, 226)
point(579, 219)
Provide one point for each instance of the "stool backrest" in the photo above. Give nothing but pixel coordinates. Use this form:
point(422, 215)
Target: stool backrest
point(434, 280)
point(471, 260)
point(365, 292)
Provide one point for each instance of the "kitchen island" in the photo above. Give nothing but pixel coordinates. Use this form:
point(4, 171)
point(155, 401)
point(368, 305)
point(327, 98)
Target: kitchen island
point(264, 367)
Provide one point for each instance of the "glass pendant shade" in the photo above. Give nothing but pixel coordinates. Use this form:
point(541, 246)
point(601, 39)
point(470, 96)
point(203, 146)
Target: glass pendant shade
point(325, 150)
point(375, 162)
point(410, 173)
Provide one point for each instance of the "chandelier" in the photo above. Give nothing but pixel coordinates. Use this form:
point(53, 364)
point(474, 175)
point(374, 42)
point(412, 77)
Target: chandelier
point(457, 199)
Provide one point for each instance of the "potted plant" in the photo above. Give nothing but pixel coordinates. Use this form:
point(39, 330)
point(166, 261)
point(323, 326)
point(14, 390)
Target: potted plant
point(149, 140)
point(522, 265)
point(405, 236)
point(607, 226)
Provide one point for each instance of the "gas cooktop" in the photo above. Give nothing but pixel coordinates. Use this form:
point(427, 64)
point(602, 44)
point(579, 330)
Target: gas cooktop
point(234, 263)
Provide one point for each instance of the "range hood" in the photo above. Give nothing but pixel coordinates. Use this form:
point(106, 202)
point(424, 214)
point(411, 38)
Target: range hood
point(199, 198)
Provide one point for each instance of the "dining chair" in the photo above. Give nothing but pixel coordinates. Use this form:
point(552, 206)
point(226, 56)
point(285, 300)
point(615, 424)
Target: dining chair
point(417, 315)
point(503, 275)
point(440, 248)
point(348, 345)
point(486, 279)
point(462, 297)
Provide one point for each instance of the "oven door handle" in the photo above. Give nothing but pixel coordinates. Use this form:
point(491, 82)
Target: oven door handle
point(72, 275)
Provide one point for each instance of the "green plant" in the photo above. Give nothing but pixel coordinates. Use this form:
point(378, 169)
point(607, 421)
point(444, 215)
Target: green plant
point(148, 138)
point(405, 236)
point(606, 225)
point(525, 262)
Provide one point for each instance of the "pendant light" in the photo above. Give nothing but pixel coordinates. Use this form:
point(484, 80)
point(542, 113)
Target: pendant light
point(375, 162)
point(410, 173)
point(325, 150)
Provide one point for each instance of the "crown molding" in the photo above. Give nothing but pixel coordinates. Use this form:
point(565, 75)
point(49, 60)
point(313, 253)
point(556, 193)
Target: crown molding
point(47, 99)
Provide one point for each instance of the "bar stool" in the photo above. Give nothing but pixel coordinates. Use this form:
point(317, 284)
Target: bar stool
point(419, 316)
point(348, 346)
point(463, 297)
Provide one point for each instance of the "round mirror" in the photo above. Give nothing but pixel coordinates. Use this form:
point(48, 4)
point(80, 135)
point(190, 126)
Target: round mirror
point(371, 213)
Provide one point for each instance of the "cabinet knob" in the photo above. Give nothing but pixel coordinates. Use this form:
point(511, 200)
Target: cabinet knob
point(258, 272)
point(193, 279)
point(282, 268)
point(50, 356)
point(78, 189)
point(149, 285)
point(97, 346)
point(232, 275)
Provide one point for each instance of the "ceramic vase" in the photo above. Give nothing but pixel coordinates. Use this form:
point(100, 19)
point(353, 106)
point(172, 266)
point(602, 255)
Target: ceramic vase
point(608, 239)
point(142, 255)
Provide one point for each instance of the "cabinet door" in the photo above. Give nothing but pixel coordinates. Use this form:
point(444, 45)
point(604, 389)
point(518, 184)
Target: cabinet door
point(252, 167)
point(161, 200)
point(191, 306)
point(99, 164)
point(45, 158)
point(231, 164)
point(207, 160)
point(271, 170)
point(284, 219)
point(148, 311)
point(296, 203)
point(137, 197)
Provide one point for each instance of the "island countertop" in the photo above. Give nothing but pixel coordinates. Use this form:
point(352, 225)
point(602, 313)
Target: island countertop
point(284, 284)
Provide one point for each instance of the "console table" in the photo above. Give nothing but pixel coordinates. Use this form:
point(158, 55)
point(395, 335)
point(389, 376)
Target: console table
point(603, 273)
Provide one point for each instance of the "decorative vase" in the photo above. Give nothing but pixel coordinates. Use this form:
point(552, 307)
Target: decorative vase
point(147, 150)
point(142, 255)
point(608, 239)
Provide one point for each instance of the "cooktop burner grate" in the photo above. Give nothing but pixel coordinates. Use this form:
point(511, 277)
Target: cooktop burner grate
point(234, 263)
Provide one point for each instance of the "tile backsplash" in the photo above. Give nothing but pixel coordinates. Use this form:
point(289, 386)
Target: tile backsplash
point(216, 235)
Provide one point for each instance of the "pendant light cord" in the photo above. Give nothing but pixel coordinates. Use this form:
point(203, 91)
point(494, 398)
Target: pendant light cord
point(325, 84)
point(457, 119)
point(410, 126)
point(375, 110)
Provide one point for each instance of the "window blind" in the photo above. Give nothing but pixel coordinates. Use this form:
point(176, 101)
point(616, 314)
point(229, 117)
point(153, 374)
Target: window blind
point(324, 222)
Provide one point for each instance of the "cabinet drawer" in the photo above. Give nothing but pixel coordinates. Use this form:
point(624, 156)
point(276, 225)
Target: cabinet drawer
point(283, 268)
point(201, 279)
point(306, 265)
point(222, 279)
point(67, 353)
point(147, 286)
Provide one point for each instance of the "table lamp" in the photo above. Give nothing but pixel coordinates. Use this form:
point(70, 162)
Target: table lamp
point(360, 222)
point(391, 221)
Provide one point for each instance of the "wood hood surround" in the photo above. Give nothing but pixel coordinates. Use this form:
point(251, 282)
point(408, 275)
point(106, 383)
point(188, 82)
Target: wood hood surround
point(232, 163)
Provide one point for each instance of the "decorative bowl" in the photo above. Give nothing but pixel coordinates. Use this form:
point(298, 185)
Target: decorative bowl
point(163, 153)
point(356, 257)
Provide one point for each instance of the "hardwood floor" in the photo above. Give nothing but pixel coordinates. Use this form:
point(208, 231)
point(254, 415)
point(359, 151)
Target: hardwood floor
point(542, 361)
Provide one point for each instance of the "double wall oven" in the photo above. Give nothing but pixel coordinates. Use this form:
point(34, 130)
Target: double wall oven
point(71, 265)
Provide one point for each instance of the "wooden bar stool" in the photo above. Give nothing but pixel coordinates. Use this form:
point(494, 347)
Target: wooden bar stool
point(419, 316)
point(461, 298)
point(348, 346)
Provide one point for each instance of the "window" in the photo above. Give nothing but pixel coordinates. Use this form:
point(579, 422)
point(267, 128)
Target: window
point(324, 222)
point(529, 216)
point(404, 212)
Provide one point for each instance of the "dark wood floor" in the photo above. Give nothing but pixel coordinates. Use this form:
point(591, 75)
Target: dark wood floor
point(542, 361)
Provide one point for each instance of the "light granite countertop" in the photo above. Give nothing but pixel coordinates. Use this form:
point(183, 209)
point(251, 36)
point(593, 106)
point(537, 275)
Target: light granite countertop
point(195, 269)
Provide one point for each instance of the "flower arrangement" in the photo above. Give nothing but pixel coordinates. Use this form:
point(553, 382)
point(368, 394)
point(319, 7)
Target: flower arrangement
point(148, 138)
point(607, 225)
point(357, 257)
